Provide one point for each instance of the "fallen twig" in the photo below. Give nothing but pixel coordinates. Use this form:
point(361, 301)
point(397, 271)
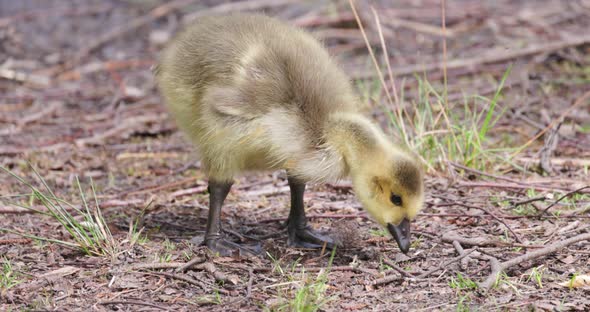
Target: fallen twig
point(159, 187)
point(528, 201)
point(577, 103)
point(34, 79)
point(461, 251)
point(389, 279)
point(246, 5)
point(493, 56)
point(183, 278)
point(445, 264)
point(211, 269)
point(482, 242)
point(577, 162)
point(317, 269)
point(155, 266)
point(397, 268)
point(43, 209)
point(315, 216)
point(511, 186)
point(497, 269)
point(189, 191)
point(493, 216)
point(418, 27)
point(458, 215)
point(497, 177)
point(15, 241)
point(561, 198)
point(250, 281)
point(549, 147)
point(188, 265)
point(49, 109)
point(154, 14)
point(271, 191)
point(134, 302)
point(126, 124)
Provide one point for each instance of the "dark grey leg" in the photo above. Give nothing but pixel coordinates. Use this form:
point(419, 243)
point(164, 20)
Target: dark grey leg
point(214, 237)
point(300, 233)
point(217, 194)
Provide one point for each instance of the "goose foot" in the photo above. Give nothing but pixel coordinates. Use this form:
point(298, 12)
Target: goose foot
point(226, 248)
point(306, 237)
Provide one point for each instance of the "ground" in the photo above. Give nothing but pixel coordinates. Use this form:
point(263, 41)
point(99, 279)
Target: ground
point(77, 99)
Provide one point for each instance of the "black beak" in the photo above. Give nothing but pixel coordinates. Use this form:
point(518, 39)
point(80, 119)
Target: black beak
point(401, 233)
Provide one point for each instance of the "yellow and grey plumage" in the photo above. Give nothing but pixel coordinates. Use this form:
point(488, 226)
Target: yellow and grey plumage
point(254, 93)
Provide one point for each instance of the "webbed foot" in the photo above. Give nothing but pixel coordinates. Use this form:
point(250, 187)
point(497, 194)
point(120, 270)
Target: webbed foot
point(226, 248)
point(306, 237)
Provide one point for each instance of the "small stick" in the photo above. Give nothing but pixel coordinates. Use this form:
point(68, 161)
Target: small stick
point(510, 186)
point(14, 241)
point(549, 146)
point(317, 269)
point(495, 217)
point(211, 269)
point(134, 302)
point(461, 251)
point(316, 216)
point(561, 198)
point(160, 187)
point(189, 191)
point(391, 278)
point(457, 215)
point(184, 278)
point(456, 165)
point(577, 103)
point(482, 242)
point(528, 201)
point(497, 269)
point(492, 56)
point(445, 265)
point(418, 27)
point(188, 265)
point(386, 280)
point(156, 13)
point(39, 80)
point(51, 107)
point(246, 5)
point(126, 125)
point(155, 266)
point(250, 281)
point(397, 268)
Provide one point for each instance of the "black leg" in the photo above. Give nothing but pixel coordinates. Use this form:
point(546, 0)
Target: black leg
point(214, 237)
point(217, 194)
point(301, 234)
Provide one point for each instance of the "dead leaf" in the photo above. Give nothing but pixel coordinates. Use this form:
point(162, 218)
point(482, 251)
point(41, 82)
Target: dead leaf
point(577, 282)
point(128, 282)
point(569, 259)
point(61, 272)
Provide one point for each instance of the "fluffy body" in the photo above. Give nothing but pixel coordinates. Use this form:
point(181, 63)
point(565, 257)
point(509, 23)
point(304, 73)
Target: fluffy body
point(256, 94)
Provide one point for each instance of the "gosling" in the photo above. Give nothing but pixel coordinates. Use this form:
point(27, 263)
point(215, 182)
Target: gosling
point(254, 93)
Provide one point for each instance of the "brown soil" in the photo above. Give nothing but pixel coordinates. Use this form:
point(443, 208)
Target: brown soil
point(84, 104)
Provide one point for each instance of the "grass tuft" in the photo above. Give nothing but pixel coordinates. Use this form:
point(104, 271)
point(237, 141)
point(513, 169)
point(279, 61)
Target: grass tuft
point(438, 131)
point(462, 283)
point(86, 226)
point(8, 277)
point(307, 293)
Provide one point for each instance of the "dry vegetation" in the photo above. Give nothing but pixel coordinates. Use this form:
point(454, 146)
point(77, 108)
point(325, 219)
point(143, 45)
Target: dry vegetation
point(100, 195)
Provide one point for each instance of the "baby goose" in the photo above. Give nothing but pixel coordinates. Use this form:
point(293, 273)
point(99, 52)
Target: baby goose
point(254, 93)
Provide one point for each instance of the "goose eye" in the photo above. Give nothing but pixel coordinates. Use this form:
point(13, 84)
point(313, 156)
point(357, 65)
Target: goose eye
point(396, 200)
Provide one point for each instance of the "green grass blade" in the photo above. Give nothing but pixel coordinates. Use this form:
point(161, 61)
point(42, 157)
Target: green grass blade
point(486, 123)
